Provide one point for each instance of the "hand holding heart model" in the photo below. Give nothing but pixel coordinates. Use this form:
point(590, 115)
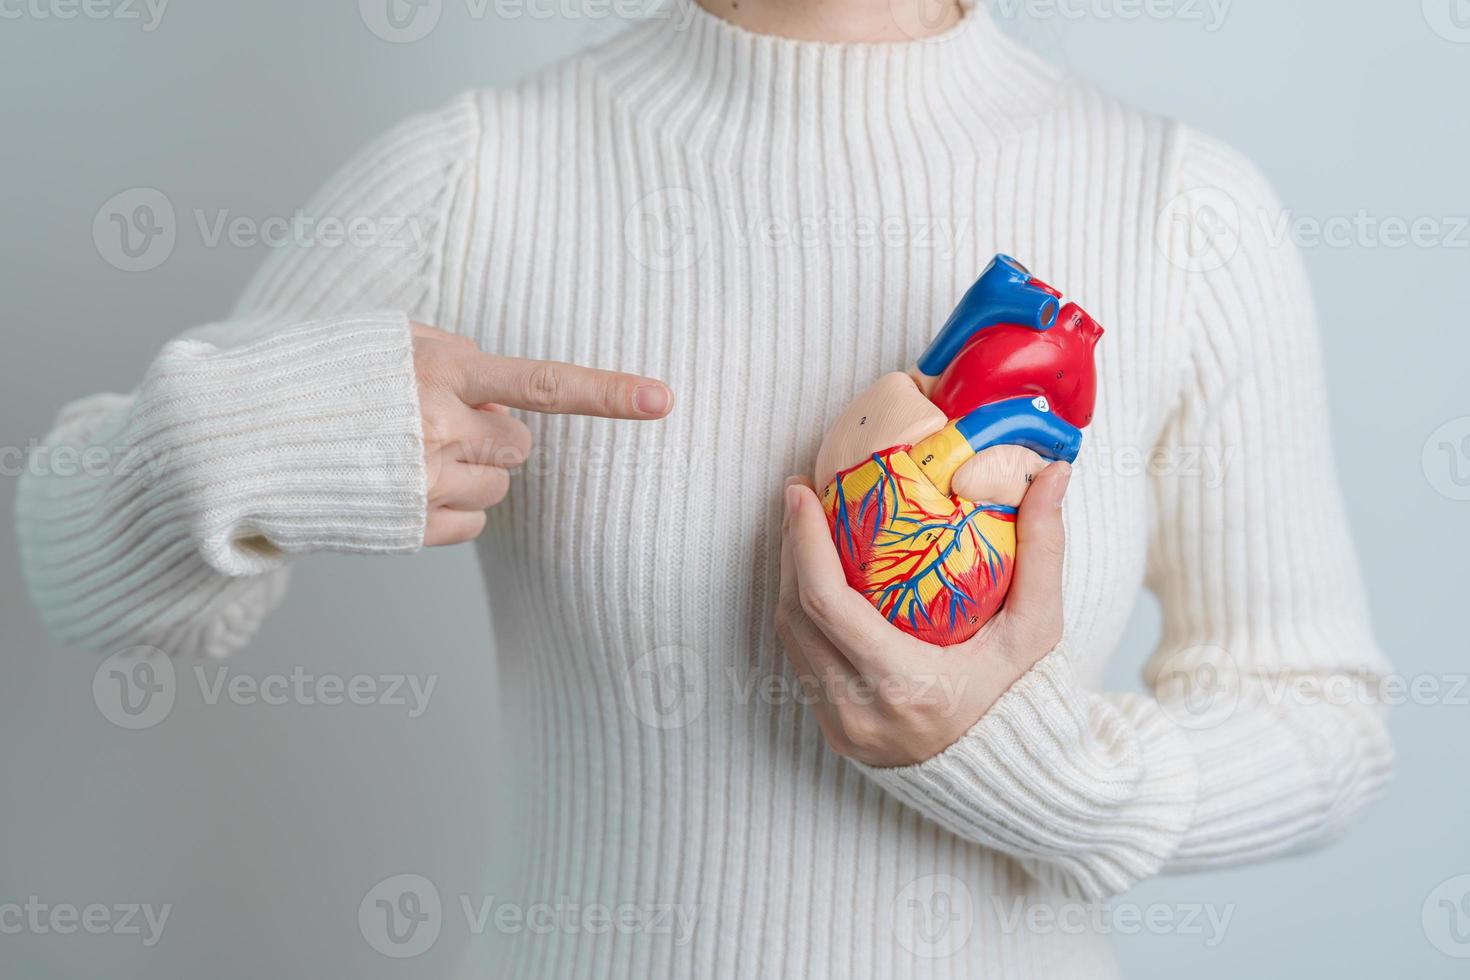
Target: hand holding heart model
point(930, 466)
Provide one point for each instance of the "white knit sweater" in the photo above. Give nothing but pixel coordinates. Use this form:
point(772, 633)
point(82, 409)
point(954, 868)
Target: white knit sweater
point(769, 225)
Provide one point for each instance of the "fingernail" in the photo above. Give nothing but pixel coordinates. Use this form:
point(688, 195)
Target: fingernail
point(793, 498)
point(651, 399)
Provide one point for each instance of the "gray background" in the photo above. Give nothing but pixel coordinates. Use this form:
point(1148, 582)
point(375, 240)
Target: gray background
point(264, 826)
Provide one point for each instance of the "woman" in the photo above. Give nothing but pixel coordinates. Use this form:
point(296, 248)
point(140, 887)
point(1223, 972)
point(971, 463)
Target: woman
point(767, 206)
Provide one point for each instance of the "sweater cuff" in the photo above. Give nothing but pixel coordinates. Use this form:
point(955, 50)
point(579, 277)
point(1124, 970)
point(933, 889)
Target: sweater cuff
point(308, 439)
point(1097, 791)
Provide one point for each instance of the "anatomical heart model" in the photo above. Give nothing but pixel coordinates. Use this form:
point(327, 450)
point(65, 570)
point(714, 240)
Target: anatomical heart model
point(1010, 374)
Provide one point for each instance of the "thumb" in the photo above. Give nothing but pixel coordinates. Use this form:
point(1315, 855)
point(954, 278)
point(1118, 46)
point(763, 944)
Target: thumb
point(1035, 598)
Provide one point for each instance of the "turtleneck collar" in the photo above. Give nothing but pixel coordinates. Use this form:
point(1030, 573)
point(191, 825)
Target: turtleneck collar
point(684, 65)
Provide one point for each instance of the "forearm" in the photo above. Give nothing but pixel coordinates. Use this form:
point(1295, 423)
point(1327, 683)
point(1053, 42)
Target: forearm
point(1089, 793)
point(1096, 792)
point(1286, 772)
point(292, 427)
point(222, 464)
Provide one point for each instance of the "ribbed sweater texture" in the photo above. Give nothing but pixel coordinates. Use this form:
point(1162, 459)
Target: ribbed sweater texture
point(769, 225)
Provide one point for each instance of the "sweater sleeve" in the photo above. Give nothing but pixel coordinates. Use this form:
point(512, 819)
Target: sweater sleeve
point(169, 516)
point(1262, 734)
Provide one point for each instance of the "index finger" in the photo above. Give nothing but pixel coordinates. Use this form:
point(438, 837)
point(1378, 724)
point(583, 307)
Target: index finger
point(557, 388)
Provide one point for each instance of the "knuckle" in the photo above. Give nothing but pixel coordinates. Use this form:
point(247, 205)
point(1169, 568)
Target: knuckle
point(820, 604)
point(430, 356)
point(515, 440)
point(837, 741)
point(433, 472)
point(865, 733)
point(496, 487)
point(434, 374)
point(1044, 545)
point(436, 432)
point(507, 457)
point(541, 387)
point(612, 398)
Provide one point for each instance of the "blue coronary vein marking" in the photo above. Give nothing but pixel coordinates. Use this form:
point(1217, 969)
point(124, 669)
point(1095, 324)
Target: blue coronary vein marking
point(1004, 293)
point(903, 594)
point(1026, 422)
